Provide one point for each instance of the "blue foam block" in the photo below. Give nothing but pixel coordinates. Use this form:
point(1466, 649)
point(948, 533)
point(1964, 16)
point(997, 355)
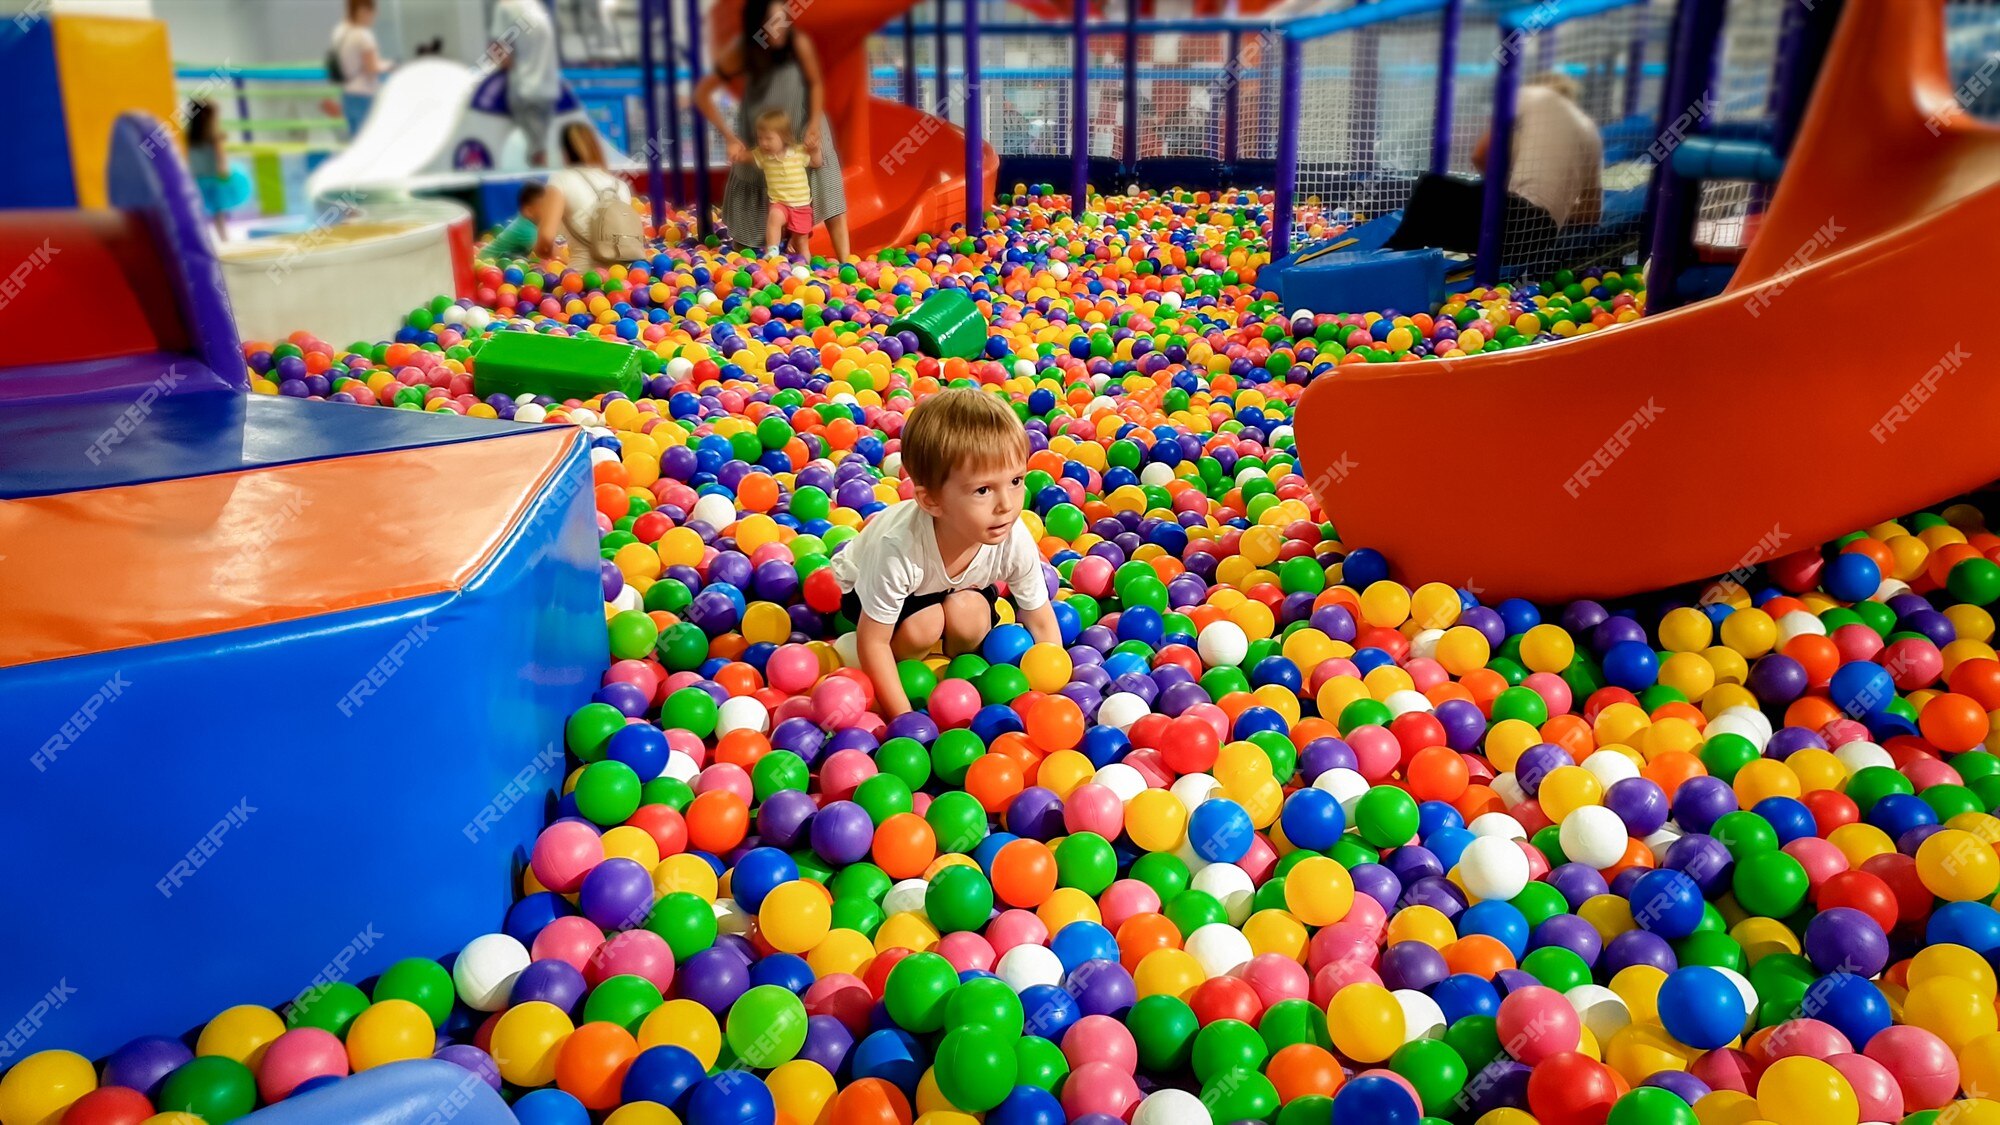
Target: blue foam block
point(1404, 280)
point(34, 147)
point(417, 1092)
point(231, 819)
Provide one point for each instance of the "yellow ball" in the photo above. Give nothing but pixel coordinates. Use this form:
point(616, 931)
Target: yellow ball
point(1957, 963)
point(1726, 1107)
point(642, 1113)
point(1608, 914)
point(1463, 649)
point(526, 1040)
point(1435, 606)
point(1275, 931)
point(1799, 1090)
point(1506, 1115)
point(1957, 866)
point(1685, 630)
point(1979, 1064)
point(907, 930)
point(680, 1023)
point(1063, 771)
point(1860, 842)
point(1426, 924)
point(1763, 778)
point(389, 1031)
point(1569, 788)
point(1641, 1049)
point(795, 916)
point(1168, 972)
point(1366, 1022)
point(1817, 769)
point(1688, 673)
point(1157, 821)
point(41, 1087)
point(1639, 987)
point(842, 951)
point(628, 841)
point(241, 1033)
point(801, 1088)
point(1949, 1010)
point(1762, 936)
point(1750, 632)
point(1385, 604)
point(1547, 648)
point(688, 873)
point(1047, 667)
point(1319, 891)
point(1066, 905)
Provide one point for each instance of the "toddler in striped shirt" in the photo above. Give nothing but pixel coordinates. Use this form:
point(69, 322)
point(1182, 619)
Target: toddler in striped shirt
point(784, 162)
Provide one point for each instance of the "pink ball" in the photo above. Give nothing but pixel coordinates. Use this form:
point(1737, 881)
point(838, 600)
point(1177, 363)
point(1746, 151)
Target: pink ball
point(1728, 1068)
point(842, 996)
point(1346, 942)
point(1914, 663)
point(1922, 1064)
point(1276, 977)
point(1092, 576)
point(1015, 927)
point(1370, 915)
point(687, 743)
point(1821, 860)
point(1260, 860)
point(1376, 752)
point(564, 853)
point(1553, 689)
point(638, 673)
point(1124, 899)
point(728, 777)
point(1100, 1088)
point(1856, 642)
point(1094, 808)
point(953, 703)
point(1426, 673)
point(838, 702)
point(842, 771)
point(1812, 1039)
point(1840, 732)
point(297, 1055)
point(797, 707)
point(1881, 1098)
point(967, 950)
point(636, 953)
point(1536, 1022)
point(1100, 1039)
point(1331, 667)
point(1926, 772)
point(1212, 715)
point(573, 939)
point(792, 669)
point(920, 803)
point(678, 680)
point(1155, 771)
point(1338, 975)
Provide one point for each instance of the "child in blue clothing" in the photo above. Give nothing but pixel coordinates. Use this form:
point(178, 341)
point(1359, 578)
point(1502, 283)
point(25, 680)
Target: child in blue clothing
point(523, 237)
point(223, 186)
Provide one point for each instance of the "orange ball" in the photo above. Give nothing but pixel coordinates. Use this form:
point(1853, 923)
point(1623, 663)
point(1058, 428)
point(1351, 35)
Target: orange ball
point(1953, 722)
point(870, 1101)
point(1142, 934)
point(994, 781)
point(1478, 954)
point(717, 821)
point(1304, 1069)
point(1024, 873)
point(1438, 773)
point(905, 846)
point(592, 1062)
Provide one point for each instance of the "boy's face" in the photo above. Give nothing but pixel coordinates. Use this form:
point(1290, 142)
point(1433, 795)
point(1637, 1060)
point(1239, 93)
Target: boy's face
point(771, 141)
point(979, 502)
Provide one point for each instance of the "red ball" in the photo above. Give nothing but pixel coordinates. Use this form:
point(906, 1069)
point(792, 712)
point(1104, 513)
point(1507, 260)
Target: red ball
point(1191, 745)
point(1860, 891)
point(109, 1105)
point(1571, 1089)
point(1226, 998)
point(1830, 810)
point(1913, 899)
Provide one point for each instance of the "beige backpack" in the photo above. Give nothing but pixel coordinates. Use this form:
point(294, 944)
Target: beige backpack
point(613, 232)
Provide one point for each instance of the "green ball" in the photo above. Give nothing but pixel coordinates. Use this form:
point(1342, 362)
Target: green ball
point(686, 921)
point(1065, 522)
point(1520, 703)
point(1240, 1095)
point(328, 1007)
point(976, 1066)
point(669, 791)
point(902, 758)
point(1538, 902)
point(766, 1026)
point(607, 793)
point(952, 754)
point(862, 880)
point(1435, 1069)
point(625, 1000)
point(1164, 1028)
point(918, 680)
point(1294, 1021)
point(671, 595)
point(883, 796)
point(1087, 862)
point(1002, 683)
point(632, 635)
point(959, 899)
point(859, 915)
point(1312, 1109)
point(916, 991)
point(1386, 816)
point(1717, 950)
point(958, 820)
point(778, 771)
point(1772, 884)
point(810, 502)
point(1364, 713)
point(1559, 968)
point(1227, 1045)
point(1165, 872)
point(1191, 910)
point(986, 1001)
point(214, 1088)
point(422, 982)
point(1650, 1105)
point(1039, 1063)
point(590, 727)
point(1974, 580)
point(1745, 834)
point(1476, 1039)
point(1872, 783)
point(690, 709)
point(682, 646)
point(1726, 753)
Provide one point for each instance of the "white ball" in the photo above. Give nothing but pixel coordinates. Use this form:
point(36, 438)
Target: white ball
point(1594, 836)
point(1761, 720)
point(1024, 369)
point(1156, 474)
point(1231, 887)
point(1660, 841)
point(1890, 588)
point(1223, 645)
point(742, 713)
point(1194, 788)
point(583, 417)
point(714, 510)
point(485, 970)
point(906, 896)
point(1346, 785)
point(1743, 988)
point(1221, 948)
point(453, 314)
point(1059, 270)
point(1171, 1107)
point(1799, 623)
point(892, 465)
point(531, 413)
point(845, 647)
point(1406, 702)
point(1497, 824)
point(1422, 1018)
point(1424, 646)
point(1170, 300)
point(1603, 1011)
point(477, 318)
point(731, 918)
point(1508, 788)
point(1493, 867)
point(1025, 966)
point(681, 767)
point(1861, 753)
point(602, 456)
point(1122, 709)
point(1184, 851)
point(679, 367)
point(1609, 767)
point(628, 598)
point(1121, 779)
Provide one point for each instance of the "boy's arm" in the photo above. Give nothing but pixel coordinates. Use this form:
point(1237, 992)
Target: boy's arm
point(1041, 623)
point(878, 659)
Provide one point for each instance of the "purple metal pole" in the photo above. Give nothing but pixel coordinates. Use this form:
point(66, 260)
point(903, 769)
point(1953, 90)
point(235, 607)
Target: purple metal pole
point(1232, 77)
point(1079, 109)
point(1635, 72)
point(1676, 203)
point(1446, 85)
point(1288, 148)
point(1499, 166)
point(1802, 41)
point(910, 58)
point(1131, 87)
point(975, 127)
point(649, 89)
point(941, 49)
point(243, 103)
point(673, 108)
point(704, 223)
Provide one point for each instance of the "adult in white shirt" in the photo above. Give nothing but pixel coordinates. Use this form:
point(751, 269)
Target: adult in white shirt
point(523, 43)
point(1555, 180)
point(580, 189)
point(359, 57)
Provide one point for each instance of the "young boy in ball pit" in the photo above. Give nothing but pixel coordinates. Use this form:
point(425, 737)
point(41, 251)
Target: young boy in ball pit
point(928, 569)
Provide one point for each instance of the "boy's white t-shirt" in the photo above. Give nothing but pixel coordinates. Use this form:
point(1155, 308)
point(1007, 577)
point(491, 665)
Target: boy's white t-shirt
point(896, 558)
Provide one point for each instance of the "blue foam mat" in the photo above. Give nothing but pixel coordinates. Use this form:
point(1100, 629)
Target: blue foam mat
point(49, 447)
point(417, 1092)
point(231, 819)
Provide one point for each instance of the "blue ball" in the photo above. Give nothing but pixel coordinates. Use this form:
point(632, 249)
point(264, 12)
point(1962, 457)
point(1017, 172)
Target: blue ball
point(788, 971)
point(1862, 687)
point(1220, 831)
point(1851, 577)
point(1631, 665)
point(758, 873)
point(1006, 644)
point(642, 746)
point(1051, 1010)
point(1027, 1105)
point(1667, 902)
point(1701, 1007)
point(1081, 942)
point(1852, 1004)
point(1501, 921)
point(1376, 1100)
point(1312, 819)
point(550, 1107)
point(736, 1098)
point(1974, 925)
point(1462, 994)
point(664, 1074)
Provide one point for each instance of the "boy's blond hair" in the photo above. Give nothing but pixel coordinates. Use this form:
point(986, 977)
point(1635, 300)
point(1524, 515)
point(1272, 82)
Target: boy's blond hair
point(959, 427)
point(774, 119)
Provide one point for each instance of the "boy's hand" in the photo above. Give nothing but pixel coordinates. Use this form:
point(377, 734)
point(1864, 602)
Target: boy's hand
point(737, 153)
point(872, 645)
point(1042, 625)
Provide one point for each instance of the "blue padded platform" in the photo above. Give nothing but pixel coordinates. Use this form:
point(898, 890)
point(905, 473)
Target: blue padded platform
point(418, 1092)
point(70, 446)
point(1352, 272)
point(122, 378)
point(232, 817)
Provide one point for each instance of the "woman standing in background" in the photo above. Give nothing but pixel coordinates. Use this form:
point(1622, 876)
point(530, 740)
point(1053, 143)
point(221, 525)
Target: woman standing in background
point(357, 62)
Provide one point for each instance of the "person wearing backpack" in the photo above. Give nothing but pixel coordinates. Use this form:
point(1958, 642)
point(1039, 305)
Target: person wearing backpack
point(354, 62)
point(594, 207)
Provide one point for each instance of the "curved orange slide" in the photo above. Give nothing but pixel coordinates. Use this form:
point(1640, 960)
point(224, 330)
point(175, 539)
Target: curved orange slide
point(1716, 436)
point(903, 169)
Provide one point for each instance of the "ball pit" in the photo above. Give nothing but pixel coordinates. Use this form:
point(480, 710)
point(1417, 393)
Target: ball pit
point(1271, 836)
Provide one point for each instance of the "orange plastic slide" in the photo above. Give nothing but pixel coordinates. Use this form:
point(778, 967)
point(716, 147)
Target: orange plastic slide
point(1716, 436)
point(904, 169)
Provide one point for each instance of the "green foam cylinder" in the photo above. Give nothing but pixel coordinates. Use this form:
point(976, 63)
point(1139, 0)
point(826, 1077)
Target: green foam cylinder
point(948, 325)
point(559, 367)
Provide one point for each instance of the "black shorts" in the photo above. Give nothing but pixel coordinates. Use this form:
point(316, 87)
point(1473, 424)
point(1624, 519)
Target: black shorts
point(850, 605)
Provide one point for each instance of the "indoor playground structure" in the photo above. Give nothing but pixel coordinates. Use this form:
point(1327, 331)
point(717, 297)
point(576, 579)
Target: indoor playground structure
point(1546, 682)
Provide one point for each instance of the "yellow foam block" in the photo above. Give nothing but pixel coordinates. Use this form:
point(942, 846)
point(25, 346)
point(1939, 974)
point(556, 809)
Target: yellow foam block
point(108, 66)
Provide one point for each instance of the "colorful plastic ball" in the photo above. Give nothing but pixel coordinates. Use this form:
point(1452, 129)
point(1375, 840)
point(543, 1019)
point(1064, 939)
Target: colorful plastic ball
point(1806, 1091)
point(975, 1067)
point(219, 1089)
point(1701, 1007)
point(766, 1026)
point(1366, 1022)
point(109, 1105)
point(1536, 1023)
point(1376, 1098)
point(36, 1090)
point(389, 1031)
point(299, 1055)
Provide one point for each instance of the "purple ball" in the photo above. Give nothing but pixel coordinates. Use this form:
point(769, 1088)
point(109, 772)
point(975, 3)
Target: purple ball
point(714, 978)
point(1702, 858)
point(551, 981)
point(1843, 939)
point(1462, 722)
point(1777, 679)
point(842, 833)
point(852, 738)
point(1537, 762)
point(617, 894)
point(783, 817)
point(1786, 741)
point(1177, 698)
point(1701, 801)
point(801, 736)
point(144, 1063)
point(1639, 947)
point(1578, 883)
point(1412, 964)
point(465, 1056)
point(1640, 803)
point(1103, 988)
point(913, 725)
point(1437, 892)
point(1378, 883)
point(1412, 862)
point(1501, 1084)
point(1489, 623)
point(1036, 814)
point(827, 1042)
point(1323, 754)
point(1681, 1084)
point(1568, 931)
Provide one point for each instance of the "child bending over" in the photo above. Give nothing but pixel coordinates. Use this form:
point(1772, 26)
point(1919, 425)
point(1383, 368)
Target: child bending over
point(927, 569)
point(522, 237)
point(789, 223)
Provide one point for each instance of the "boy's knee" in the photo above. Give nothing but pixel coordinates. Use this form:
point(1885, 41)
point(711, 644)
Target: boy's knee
point(919, 632)
point(968, 616)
